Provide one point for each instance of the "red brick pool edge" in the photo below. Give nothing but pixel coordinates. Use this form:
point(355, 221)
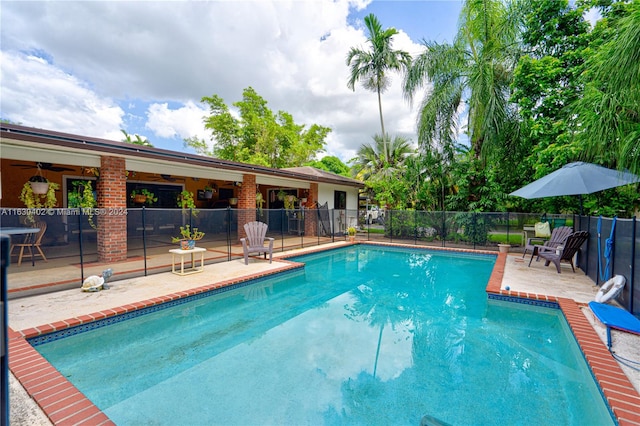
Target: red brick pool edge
point(64, 404)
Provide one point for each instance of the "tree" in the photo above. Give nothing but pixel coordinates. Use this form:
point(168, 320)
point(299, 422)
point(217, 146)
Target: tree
point(609, 112)
point(427, 180)
point(472, 75)
point(331, 164)
point(545, 87)
point(258, 136)
point(371, 67)
point(137, 141)
point(381, 157)
point(547, 78)
point(381, 166)
point(475, 70)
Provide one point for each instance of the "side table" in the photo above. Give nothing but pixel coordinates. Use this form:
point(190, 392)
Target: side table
point(525, 233)
point(182, 254)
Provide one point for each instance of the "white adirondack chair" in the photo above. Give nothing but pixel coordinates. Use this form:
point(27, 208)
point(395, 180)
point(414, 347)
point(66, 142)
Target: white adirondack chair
point(254, 243)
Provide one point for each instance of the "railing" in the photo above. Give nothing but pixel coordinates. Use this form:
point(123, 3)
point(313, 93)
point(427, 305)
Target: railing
point(70, 241)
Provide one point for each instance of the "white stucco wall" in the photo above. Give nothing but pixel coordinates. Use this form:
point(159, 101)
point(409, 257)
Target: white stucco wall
point(342, 218)
point(326, 194)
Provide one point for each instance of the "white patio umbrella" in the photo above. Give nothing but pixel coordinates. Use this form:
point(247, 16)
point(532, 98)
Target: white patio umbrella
point(576, 179)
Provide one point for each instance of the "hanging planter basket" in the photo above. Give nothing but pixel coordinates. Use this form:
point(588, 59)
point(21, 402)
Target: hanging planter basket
point(39, 185)
point(140, 199)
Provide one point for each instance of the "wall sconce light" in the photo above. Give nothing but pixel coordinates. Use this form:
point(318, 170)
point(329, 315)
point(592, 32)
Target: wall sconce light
point(237, 184)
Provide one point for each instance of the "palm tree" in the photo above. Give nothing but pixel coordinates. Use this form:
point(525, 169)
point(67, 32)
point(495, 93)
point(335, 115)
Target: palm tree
point(137, 141)
point(381, 158)
point(371, 66)
point(475, 70)
point(609, 112)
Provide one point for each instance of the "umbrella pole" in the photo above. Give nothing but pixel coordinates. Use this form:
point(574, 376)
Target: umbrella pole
point(580, 204)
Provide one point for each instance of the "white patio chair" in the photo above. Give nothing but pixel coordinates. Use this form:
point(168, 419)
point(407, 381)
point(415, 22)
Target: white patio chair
point(255, 240)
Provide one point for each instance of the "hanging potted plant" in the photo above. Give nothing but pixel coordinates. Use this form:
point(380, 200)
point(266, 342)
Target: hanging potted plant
point(188, 237)
point(39, 184)
point(81, 196)
point(138, 197)
point(259, 202)
point(290, 202)
point(37, 201)
point(185, 201)
point(143, 196)
point(208, 192)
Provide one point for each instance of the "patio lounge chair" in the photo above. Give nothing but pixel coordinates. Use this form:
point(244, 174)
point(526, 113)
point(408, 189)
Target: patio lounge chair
point(32, 243)
point(558, 235)
point(565, 252)
point(254, 242)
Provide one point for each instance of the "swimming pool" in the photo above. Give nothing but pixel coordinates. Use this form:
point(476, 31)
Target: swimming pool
point(362, 335)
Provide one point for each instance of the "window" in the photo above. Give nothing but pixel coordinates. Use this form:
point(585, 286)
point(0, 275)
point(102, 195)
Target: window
point(167, 194)
point(340, 200)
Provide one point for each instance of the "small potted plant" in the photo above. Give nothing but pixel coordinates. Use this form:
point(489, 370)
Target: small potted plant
point(351, 231)
point(188, 237)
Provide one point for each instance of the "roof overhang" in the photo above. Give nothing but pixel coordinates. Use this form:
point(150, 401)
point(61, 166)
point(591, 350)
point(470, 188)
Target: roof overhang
point(20, 143)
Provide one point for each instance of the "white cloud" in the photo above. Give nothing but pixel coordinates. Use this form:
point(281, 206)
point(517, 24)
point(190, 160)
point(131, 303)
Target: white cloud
point(34, 93)
point(168, 55)
point(181, 123)
point(592, 16)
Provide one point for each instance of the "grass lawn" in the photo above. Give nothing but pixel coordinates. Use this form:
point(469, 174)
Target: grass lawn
point(374, 230)
point(514, 239)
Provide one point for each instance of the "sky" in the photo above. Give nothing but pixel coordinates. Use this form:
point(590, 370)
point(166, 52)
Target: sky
point(95, 67)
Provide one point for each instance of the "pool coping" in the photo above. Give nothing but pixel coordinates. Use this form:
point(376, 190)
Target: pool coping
point(64, 404)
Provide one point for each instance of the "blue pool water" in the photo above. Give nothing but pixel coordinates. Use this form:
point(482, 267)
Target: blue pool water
point(360, 336)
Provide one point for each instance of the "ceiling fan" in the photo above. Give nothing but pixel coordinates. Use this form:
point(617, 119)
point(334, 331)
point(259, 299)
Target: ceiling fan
point(44, 166)
point(168, 178)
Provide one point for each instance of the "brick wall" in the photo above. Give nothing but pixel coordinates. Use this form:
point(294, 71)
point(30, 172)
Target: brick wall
point(246, 203)
point(112, 207)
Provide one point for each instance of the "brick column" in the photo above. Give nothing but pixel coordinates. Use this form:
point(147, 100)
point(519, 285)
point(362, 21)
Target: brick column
point(246, 203)
point(112, 202)
point(311, 215)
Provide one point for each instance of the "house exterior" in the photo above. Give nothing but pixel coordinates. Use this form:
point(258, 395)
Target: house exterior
point(118, 170)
